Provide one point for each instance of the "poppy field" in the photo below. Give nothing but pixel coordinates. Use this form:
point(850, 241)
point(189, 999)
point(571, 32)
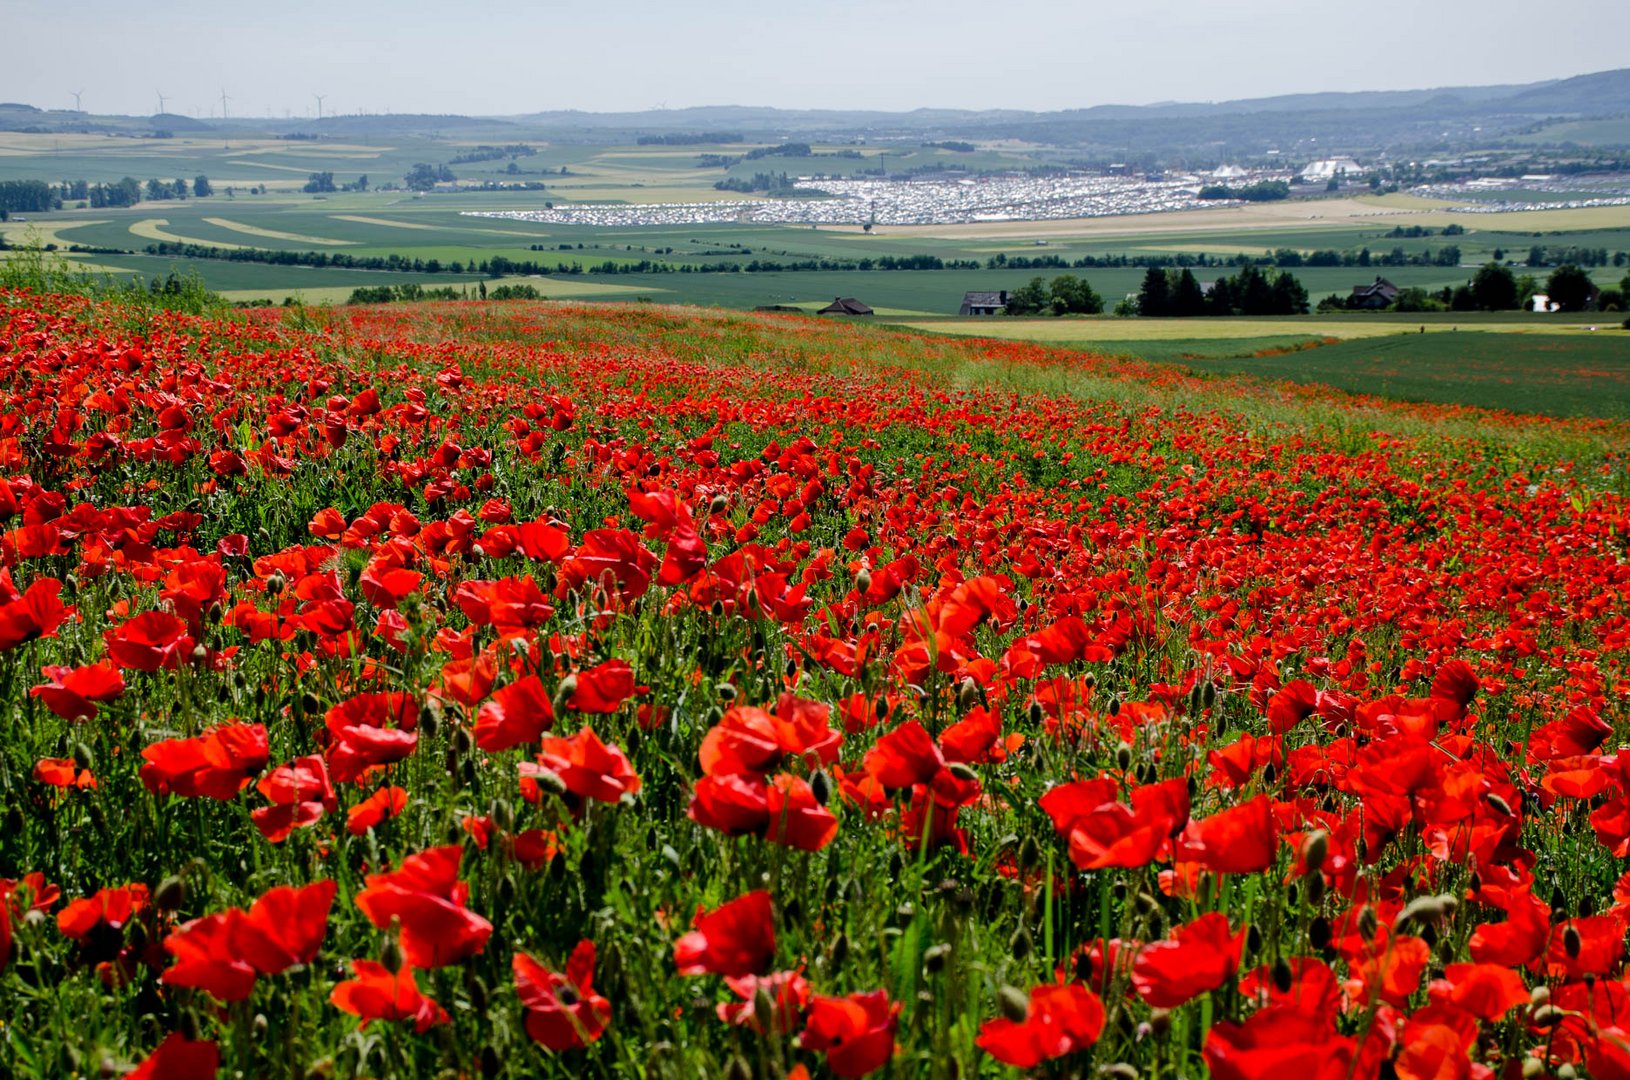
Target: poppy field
point(527, 690)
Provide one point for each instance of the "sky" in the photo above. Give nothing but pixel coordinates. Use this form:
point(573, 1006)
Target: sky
point(502, 57)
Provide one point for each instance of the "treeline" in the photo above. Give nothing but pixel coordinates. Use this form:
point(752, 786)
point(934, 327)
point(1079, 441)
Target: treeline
point(493, 153)
point(1179, 294)
point(700, 138)
point(1496, 287)
point(1578, 256)
point(1261, 191)
point(391, 294)
point(1064, 295)
point(27, 197)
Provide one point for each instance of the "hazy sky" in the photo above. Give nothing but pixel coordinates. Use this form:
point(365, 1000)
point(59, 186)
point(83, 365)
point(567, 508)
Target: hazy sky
point(503, 56)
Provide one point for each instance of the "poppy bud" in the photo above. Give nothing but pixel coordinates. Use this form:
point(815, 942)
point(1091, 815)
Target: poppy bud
point(275, 583)
point(863, 581)
point(171, 894)
point(1119, 1070)
point(199, 653)
point(962, 771)
point(1269, 773)
point(1029, 853)
point(967, 694)
point(83, 756)
point(1253, 939)
point(1499, 804)
point(188, 1024)
point(1208, 693)
point(934, 958)
point(897, 863)
point(490, 1062)
point(390, 957)
point(563, 692)
point(462, 741)
point(1367, 923)
point(1318, 933)
point(820, 786)
point(1566, 1071)
point(1020, 944)
point(1532, 1068)
point(1571, 941)
point(726, 692)
point(1036, 713)
point(506, 890)
point(1547, 1015)
point(792, 912)
point(840, 951)
point(1115, 707)
point(476, 987)
point(1123, 754)
point(1315, 849)
point(259, 1025)
point(549, 781)
point(1015, 1005)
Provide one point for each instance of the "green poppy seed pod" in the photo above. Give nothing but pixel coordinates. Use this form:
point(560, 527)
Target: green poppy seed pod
point(1014, 1003)
point(962, 771)
point(1123, 756)
point(726, 692)
point(1282, 976)
point(1208, 693)
point(199, 653)
point(275, 583)
point(309, 705)
point(967, 694)
point(503, 815)
point(1160, 1022)
point(863, 581)
point(738, 1068)
point(550, 781)
point(718, 503)
point(1020, 944)
point(430, 722)
point(1532, 1068)
point(1118, 1070)
point(462, 741)
point(1315, 849)
point(1566, 1071)
point(563, 692)
point(83, 756)
point(1195, 697)
point(171, 894)
point(1315, 889)
point(935, 957)
point(1572, 942)
point(1499, 804)
point(1037, 714)
point(820, 786)
point(1115, 707)
point(259, 1025)
point(1318, 933)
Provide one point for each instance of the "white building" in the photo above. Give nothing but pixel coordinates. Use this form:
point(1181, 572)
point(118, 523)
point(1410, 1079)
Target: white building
point(1329, 168)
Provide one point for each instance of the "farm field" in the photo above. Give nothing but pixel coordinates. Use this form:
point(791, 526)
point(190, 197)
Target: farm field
point(549, 690)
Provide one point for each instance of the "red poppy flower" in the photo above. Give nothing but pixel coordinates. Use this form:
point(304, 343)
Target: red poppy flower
point(179, 1058)
point(112, 907)
point(223, 954)
point(377, 993)
point(1241, 840)
point(368, 730)
point(33, 614)
point(1279, 1042)
point(62, 773)
point(387, 802)
point(148, 642)
point(788, 993)
point(736, 938)
point(856, 1033)
point(1487, 991)
point(72, 693)
point(1062, 1019)
point(300, 792)
point(749, 740)
point(217, 764)
point(427, 898)
point(588, 767)
point(603, 688)
point(1197, 957)
point(517, 714)
point(562, 1010)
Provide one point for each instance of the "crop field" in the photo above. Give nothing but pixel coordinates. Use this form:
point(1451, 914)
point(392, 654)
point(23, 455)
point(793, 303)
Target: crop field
point(546, 690)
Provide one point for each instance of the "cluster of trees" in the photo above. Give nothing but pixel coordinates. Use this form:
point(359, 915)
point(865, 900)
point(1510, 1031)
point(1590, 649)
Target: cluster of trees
point(1261, 191)
point(774, 183)
point(1179, 294)
point(1064, 295)
point(1496, 288)
point(178, 188)
point(423, 176)
point(38, 196)
point(391, 294)
point(700, 138)
point(320, 183)
point(493, 153)
point(1578, 256)
point(27, 197)
point(1415, 232)
point(951, 145)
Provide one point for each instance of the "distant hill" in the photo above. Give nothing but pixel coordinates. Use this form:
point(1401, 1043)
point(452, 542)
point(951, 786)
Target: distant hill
point(1437, 120)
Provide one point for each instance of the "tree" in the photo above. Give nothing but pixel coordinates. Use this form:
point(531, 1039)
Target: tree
point(319, 183)
point(1569, 288)
point(200, 186)
point(1188, 299)
point(1494, 288)
point(1154, 297)
point(1072, 295)
point(1031, 298)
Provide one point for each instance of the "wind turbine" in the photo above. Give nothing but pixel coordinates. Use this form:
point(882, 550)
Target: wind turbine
point(224, 100)
point(319, 98)
point(76, 94)
point(161, 100)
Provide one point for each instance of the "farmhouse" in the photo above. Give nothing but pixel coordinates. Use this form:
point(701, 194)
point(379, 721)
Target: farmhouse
point(1377, 295)
point(983, 303)
point(845, 305)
